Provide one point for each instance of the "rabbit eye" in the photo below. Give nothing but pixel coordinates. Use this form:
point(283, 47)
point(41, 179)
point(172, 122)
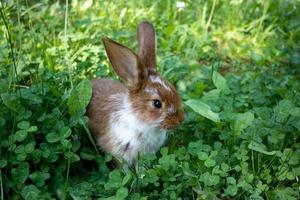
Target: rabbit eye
point(157, 103)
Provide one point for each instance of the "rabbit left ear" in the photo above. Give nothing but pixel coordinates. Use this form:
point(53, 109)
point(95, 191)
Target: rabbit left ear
point(147, 45)
point(125, 63)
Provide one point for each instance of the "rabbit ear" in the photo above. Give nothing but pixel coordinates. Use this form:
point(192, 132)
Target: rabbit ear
point(147, 45)
point(124, 61)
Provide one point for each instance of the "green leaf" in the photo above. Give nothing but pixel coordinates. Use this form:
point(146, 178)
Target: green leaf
point(115, 180)
point(224, 167)
point(31, 97)
point(275, 137)
point(87, 154)
point(283, 109)
point(195, 147)
point(259, 147)
point(231, 180)
point(29, 148)
point(3, 163)
point(10, 100)
point(220, 82)
point(32, 129)
point(107, 157)
point(23, 125)
point(36, 155)
point(216, 170)
point(295, 158)
point(65, 132)
point(209, 179)
point(39, 178)
point(167, 162)
point(79, 98)
point(20, 149)
point(3, 85)
point(23, 114)
point(30, 192)
point(66, 143)
point(75, 157)
point(127, 178)
point(202, 109)
point(82, 191)
point(202, 155)
point(296, 171)
point(21, 156)
point(286, 193)
point(242, 121)
point(211, 95)
point(52, 137)
point(231, 190)
point(21, 173)
point(20, 135)
point(164, 151)
point(151, 176)
point(290, 176)
point(72, 156)
point(122, 193)
point(210, 162)
point(295, 112)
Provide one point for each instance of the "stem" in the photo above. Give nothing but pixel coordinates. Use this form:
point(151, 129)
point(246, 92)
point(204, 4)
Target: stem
point(67, 57)
point(1, 185)
point(67, 61)
point(262, 19)
point(253, 164)
point(3, 16)
point(29, 17)
point(1, 182)
point(211, 15)
point(68, 170)
point(204, 15)
point(90, 136)
point(252, 157)
point(19, 25)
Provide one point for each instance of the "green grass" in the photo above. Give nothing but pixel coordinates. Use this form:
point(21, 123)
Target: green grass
point(235, 64)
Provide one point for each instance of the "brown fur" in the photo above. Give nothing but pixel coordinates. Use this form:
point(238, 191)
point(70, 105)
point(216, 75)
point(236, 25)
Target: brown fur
point(100, 107)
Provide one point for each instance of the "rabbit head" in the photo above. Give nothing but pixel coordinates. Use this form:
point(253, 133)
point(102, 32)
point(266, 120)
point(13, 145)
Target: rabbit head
point(153, 99)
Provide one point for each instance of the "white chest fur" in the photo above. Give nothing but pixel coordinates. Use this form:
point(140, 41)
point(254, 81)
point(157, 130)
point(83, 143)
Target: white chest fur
point(129, 136)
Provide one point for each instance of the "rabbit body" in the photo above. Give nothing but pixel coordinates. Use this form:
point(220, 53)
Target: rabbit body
point(132, 117)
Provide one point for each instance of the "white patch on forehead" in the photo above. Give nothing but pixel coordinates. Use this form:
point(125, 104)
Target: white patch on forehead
point(171, 109)
point(157, 79)
point(151, 91)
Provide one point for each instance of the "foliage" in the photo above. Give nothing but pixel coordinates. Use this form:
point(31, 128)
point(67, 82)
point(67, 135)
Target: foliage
point(235, 64)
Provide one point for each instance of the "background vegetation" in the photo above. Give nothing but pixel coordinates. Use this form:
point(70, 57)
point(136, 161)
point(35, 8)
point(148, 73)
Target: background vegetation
point(234, 62)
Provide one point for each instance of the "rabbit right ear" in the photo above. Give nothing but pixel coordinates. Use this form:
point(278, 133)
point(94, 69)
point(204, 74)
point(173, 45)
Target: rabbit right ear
point(125, 62)
point(147, 45)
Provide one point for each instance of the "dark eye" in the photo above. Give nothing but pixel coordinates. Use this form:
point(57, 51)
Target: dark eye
point(156, 103)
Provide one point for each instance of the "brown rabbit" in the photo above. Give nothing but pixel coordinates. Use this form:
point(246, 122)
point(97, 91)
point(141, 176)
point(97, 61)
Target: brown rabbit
point(132, 118)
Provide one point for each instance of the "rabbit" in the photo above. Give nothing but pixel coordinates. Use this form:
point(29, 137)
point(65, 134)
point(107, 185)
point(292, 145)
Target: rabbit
point(131, 118)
